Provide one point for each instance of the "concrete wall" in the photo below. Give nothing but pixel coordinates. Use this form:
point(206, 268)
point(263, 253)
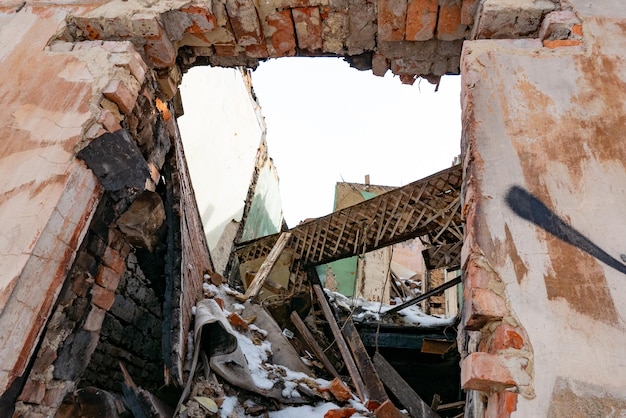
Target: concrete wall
point(545, 300)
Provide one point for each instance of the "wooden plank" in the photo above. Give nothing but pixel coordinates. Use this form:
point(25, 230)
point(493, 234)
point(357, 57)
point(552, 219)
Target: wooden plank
point(266, 268)
point(425, 296)
point(341, 343)
point(375, 388)
point(312, 343)
point(402, 391)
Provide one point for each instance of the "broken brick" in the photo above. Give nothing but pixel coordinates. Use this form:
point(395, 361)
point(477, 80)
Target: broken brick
point(220, 302)
point(340, 413)
point(372, 405)
point(109, 121)
point(121, 95)
point(340, 391)
point(487, 372)
point(506, 336)
point(159, 50)
point(388, 410)
point(501, 404)
point(237, 321)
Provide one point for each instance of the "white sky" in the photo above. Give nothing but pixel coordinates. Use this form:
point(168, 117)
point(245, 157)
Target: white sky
point(327, 122)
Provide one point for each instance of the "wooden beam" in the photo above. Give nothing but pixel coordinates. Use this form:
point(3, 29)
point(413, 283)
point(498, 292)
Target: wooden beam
point(375, 388)
point(426, 295)
point(402, 391)
point(266, 268)
point(312, 343)
point(341, 343)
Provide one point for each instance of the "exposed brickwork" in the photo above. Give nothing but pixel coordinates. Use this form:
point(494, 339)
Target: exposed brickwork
point(492, 372)
point(421, 20)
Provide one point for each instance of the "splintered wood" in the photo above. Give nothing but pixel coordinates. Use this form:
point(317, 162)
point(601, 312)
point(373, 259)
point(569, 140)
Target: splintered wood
point(266, 267)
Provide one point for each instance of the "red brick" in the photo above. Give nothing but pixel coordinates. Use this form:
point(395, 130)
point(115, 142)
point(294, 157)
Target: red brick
point(506, 336)
point(160, 51)
point(220, 302)
point(421, 20)
point(257, 51)
point(558, 43)
point(56, 393)
point(388, 410)
point(340, 391)
point(237, 321)
point(308, 25)
point(283, 39)
point(408, 79)
point(449, 25)
point(113, 259)
point(577, 30)
point(468, 11)
point(482, 306)
point(81, 284)
point(372, 405)
point(109, 121)
point(558, 25)
point(121, 95)
point(340, 413)
point(216, 278)
point(391, 20)
point(202, 21)
point(476, 276)
point(102, 298)
point(134, 64)
point(245, 22)
point(33, 392)
point(45, 357)
point(108, 278)
point(226, 50)
point(501, 404)
point(492, 372)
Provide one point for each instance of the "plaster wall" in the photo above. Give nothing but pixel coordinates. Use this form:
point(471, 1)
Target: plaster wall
point(265, 216)
point(221, 131)
point(545, 156)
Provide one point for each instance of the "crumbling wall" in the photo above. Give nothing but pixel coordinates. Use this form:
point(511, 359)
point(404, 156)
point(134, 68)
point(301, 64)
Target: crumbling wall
point(545, 296)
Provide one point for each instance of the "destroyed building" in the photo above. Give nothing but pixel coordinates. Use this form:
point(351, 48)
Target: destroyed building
point(104, 254)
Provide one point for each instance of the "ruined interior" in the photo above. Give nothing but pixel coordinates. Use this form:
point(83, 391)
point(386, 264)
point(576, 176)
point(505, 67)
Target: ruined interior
point(104, 255)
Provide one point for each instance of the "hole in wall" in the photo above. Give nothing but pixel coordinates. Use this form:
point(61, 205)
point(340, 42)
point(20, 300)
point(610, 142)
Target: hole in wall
point(326, 123)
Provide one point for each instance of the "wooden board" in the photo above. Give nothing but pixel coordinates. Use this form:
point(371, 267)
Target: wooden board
point(341, 344)
point(375, 388)
point(402, 391)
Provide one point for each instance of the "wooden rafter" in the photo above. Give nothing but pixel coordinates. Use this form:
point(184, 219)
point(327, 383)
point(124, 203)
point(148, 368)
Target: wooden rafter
point(426, 208)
